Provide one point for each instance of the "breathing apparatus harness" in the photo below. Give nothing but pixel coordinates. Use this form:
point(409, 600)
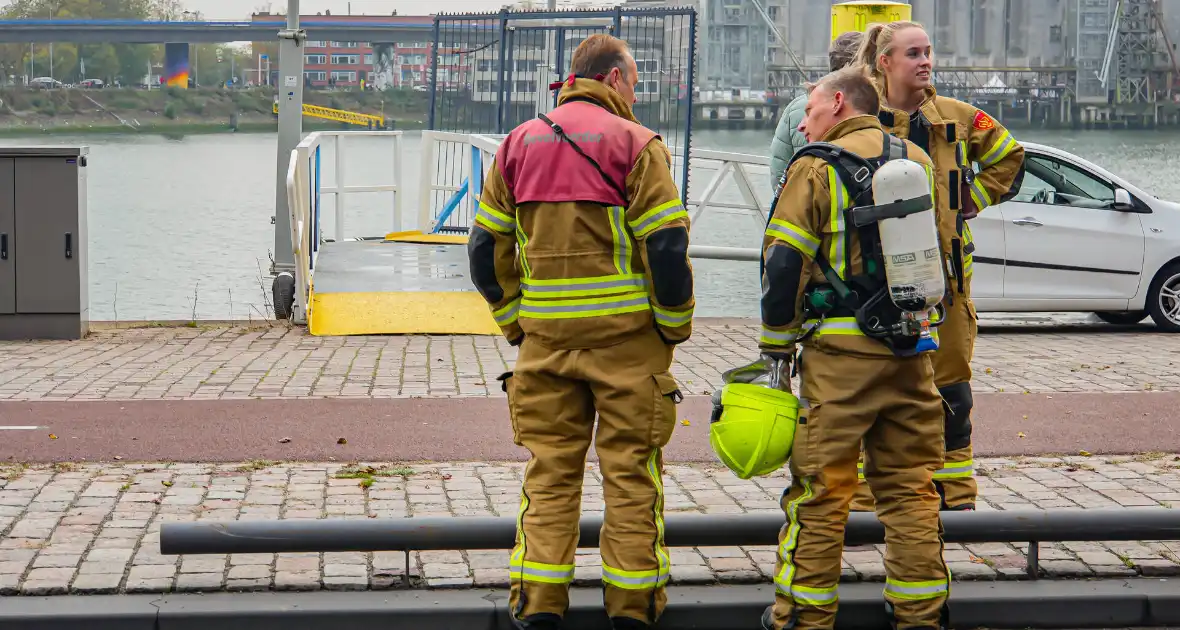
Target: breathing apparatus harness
point(866, 296)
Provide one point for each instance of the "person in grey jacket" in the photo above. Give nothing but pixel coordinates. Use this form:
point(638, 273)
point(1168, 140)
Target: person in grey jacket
point(787, 138)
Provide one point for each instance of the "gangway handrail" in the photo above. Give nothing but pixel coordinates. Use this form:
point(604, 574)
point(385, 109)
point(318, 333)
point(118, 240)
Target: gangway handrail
point(304, 191)
point(732, 166)
point(682, 530)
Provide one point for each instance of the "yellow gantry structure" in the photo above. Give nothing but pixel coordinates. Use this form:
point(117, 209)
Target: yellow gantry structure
point(857, 16)
point(339, 115)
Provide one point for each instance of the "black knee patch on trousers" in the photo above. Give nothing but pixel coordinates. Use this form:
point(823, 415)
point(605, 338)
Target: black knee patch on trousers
point(958, 415)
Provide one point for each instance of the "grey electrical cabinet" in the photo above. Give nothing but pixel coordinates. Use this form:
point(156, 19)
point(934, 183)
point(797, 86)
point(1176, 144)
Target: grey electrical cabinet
point(43, 280)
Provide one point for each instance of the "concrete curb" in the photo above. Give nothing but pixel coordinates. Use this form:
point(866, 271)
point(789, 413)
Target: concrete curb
point(1134, 602)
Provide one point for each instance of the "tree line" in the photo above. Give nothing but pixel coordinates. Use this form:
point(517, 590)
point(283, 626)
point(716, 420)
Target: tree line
point(125, 63)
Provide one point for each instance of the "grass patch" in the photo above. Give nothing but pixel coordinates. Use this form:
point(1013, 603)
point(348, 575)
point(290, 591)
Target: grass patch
point(368, 474)
point(256, 465)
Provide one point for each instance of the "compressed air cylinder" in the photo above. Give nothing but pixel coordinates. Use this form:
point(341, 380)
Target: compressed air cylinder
point(909, 244)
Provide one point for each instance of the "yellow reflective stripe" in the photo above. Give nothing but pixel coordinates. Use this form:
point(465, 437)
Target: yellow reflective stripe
point(917, 591)
point(649, 578)
point(839, 326)
point(961, 154)
point(779, 338)
point(622, 243)
point(799, 238)
point(508, 313)
point(541, 572)
point(656, 473)
point(583, 287)
point(840, 202)
point(494, 219)
point(814, 596)
point(634, 580)
point(860, 470)
point(1000, 150)
point(517, 558)
point(523, 240)
point(786, 549)
point(979, 195)
point(658, 216)
point(956, 470)
point(587, 307)
point(670, 318)
point(968, 259)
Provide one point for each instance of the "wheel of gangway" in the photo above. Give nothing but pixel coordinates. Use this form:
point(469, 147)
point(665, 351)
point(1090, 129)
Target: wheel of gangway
point(283, 293)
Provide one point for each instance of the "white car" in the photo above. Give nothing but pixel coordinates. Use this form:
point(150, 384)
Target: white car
point(1078, 238)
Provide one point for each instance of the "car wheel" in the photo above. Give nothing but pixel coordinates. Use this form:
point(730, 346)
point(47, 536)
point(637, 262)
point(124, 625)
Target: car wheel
point(1121, 318)
point(1163, 300)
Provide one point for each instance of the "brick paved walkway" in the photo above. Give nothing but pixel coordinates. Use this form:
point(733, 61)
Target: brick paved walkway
point(281, 362)
point(94, 528)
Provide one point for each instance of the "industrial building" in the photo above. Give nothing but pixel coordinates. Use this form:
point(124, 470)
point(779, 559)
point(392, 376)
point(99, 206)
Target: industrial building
point(1080, 62)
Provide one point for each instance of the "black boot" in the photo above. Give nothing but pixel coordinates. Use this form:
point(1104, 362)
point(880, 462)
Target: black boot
point(627, 623)
point(539, 621)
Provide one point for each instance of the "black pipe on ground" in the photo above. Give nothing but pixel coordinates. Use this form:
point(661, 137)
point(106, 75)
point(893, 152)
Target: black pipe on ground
point(682, 530)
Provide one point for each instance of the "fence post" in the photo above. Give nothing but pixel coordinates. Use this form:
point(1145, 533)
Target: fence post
point(433, 74)
point(692, 55)
point(500, 81)
point(618, 25)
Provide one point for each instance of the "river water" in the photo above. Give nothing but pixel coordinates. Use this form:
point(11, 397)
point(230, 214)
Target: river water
point(180, 227)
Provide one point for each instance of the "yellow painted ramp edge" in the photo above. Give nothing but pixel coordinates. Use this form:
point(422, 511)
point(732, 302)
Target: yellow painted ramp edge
point(415, 236)
point(393, 313)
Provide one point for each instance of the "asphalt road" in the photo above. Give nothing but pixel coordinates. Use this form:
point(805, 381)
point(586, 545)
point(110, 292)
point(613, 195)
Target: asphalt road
point(477, 429)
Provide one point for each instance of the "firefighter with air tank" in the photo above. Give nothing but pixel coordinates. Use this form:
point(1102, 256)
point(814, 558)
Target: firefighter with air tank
point(851, 271)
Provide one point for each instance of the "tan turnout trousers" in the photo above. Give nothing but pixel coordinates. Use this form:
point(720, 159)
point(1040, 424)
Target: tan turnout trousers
point(889, 405)
point(952, 371)
point(553, 396)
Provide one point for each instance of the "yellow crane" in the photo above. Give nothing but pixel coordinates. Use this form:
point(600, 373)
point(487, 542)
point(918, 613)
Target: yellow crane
point(339, 115)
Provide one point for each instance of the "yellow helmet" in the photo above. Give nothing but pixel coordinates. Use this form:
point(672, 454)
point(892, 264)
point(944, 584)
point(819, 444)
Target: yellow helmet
point(752, 429)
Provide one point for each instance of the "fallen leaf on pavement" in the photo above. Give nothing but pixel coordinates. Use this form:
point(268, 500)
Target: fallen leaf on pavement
point(167, 484)
point(342, 441)
point(1084, 453)
point(685, 422)
point(52, 436)
point(284, 440)
point(1020, 435)
point(977, 560)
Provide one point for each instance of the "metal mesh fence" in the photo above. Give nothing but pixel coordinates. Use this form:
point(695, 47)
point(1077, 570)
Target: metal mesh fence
point(490, 72)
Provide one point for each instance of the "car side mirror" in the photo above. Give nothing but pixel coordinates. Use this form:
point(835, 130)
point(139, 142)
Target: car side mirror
point(1122, 200)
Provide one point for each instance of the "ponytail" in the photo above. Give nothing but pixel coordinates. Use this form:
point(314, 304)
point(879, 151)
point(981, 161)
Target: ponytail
point(866, 55)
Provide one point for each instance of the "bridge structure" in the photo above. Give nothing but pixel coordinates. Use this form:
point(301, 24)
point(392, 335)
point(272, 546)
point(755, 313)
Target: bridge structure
point(262, 28)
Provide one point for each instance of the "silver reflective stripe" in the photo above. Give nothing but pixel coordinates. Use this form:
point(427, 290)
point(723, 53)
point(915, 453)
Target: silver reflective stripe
point(592, 286)
point(641, 581)
point(902, 590)
point(671, 318)
point(656, 219)
point(618, 219)
point(785, 337)
point(508, 313)
point(552, 574)
point(485, 213)
point(578, 308)
point(797, 237)
point(830, 325)
point(1001, 151)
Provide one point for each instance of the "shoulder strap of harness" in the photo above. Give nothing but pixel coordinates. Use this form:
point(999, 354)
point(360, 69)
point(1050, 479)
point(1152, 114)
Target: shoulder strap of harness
point(606, 178)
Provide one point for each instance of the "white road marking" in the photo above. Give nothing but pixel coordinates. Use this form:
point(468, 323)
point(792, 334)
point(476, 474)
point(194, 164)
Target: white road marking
point(16, 428)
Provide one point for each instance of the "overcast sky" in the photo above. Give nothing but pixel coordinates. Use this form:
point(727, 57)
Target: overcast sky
point(238, 9)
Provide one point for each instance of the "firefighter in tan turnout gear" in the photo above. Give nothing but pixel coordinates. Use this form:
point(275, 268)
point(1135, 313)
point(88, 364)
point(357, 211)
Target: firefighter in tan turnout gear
point(580, 247)
point(851, 273)
point(898, 58)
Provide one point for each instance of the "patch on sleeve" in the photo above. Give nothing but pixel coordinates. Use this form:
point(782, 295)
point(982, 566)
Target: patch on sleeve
point(983, 121)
